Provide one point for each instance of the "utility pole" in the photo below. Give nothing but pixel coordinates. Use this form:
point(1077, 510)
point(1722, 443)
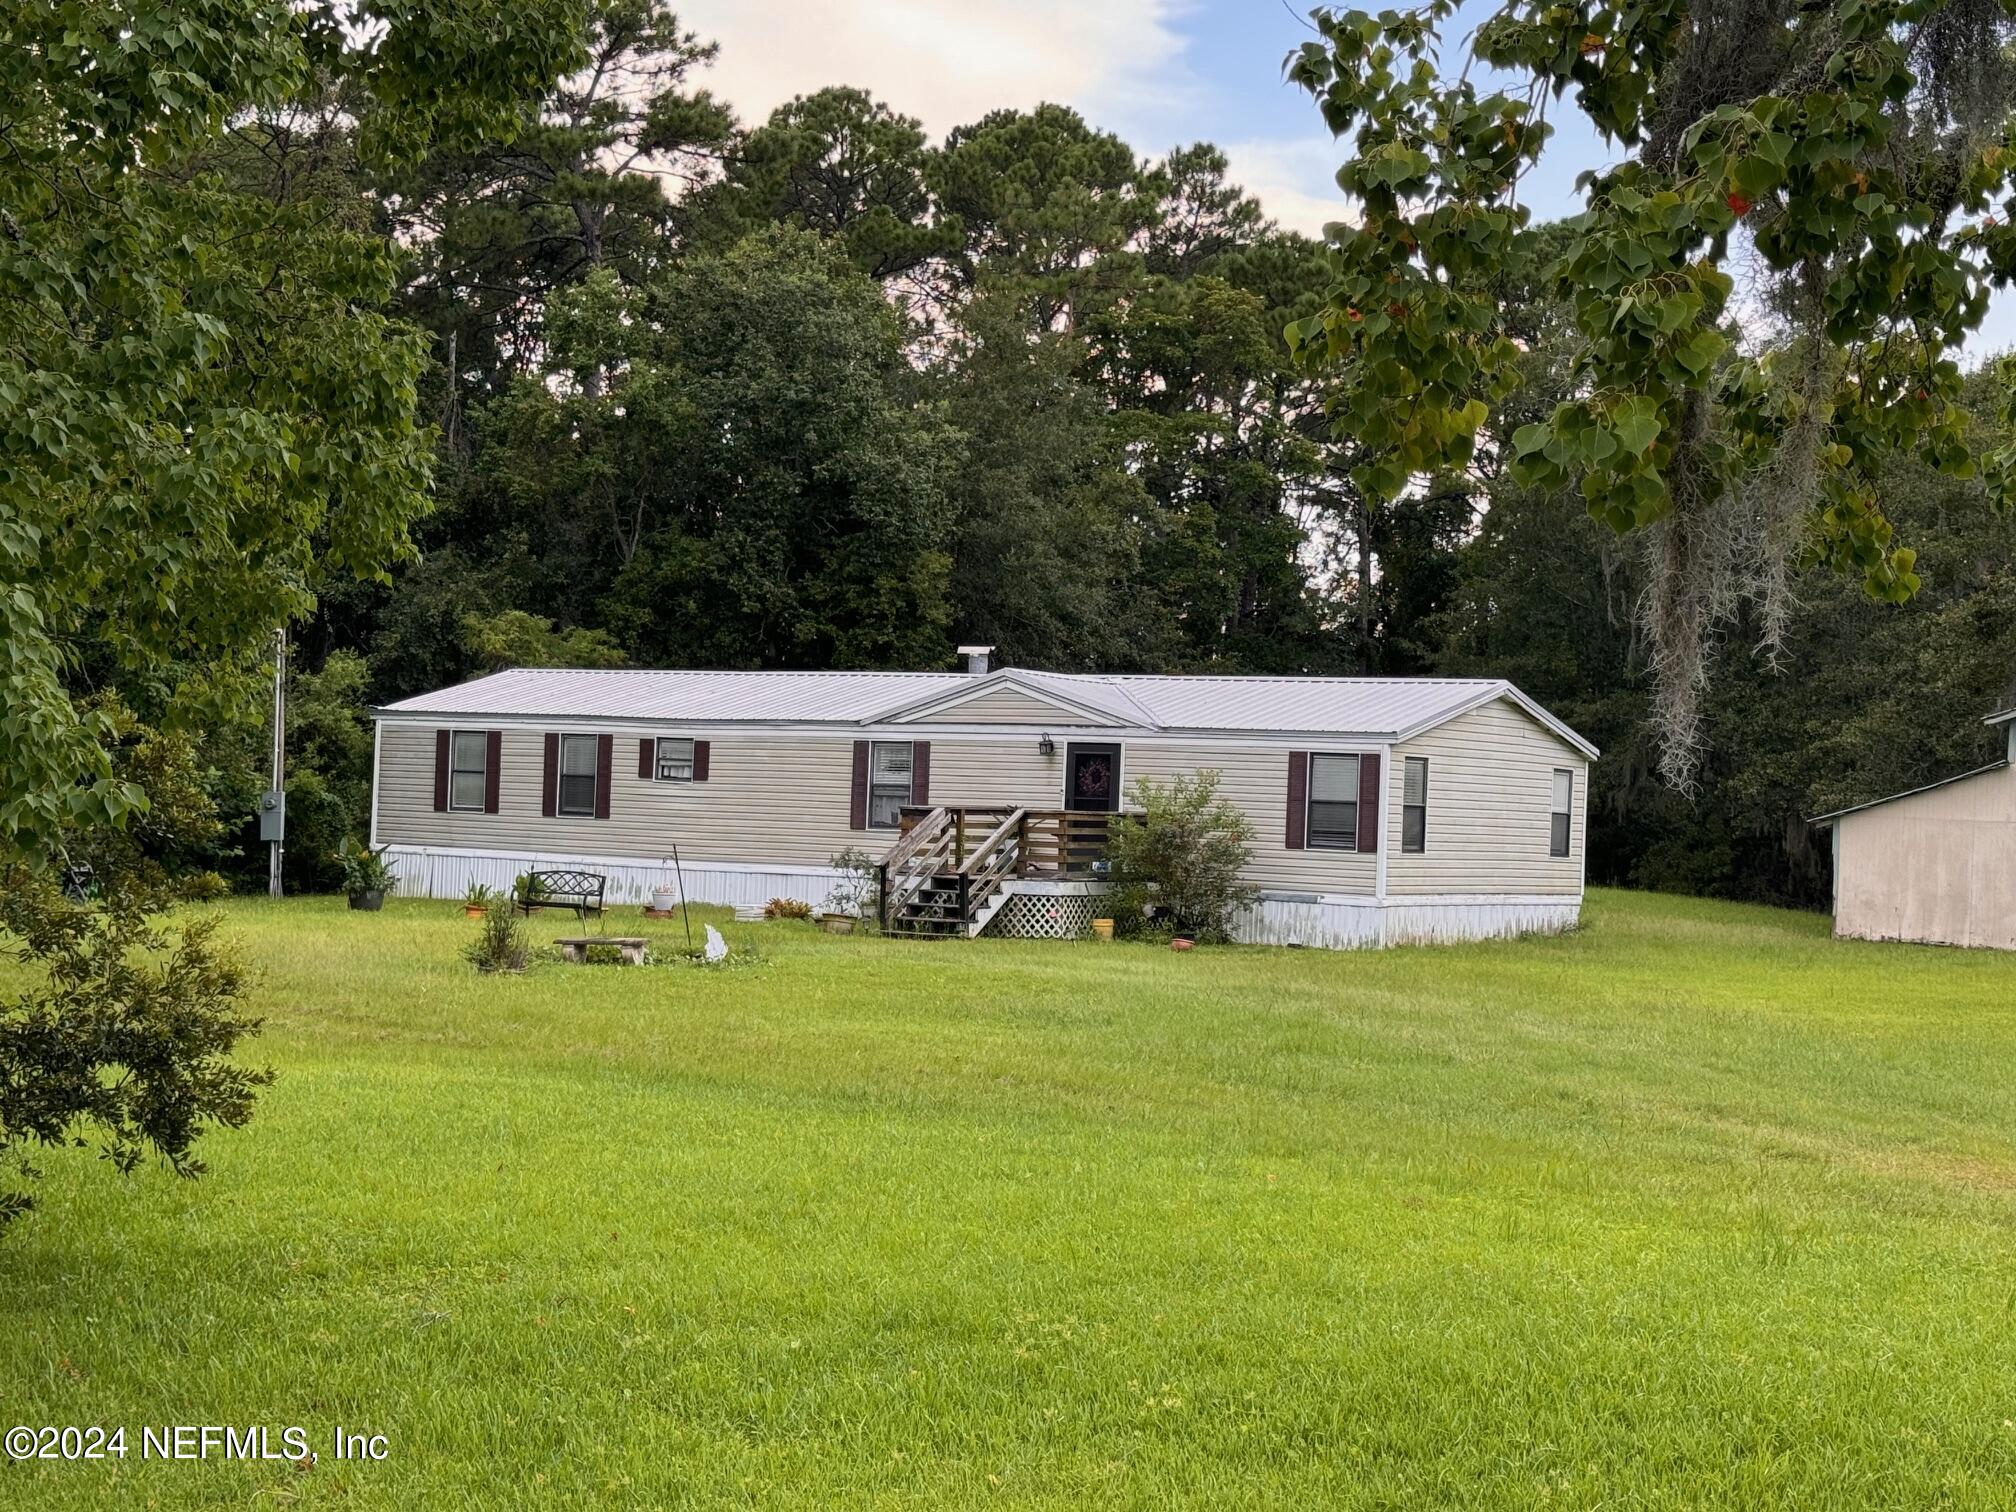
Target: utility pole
point(278, 796)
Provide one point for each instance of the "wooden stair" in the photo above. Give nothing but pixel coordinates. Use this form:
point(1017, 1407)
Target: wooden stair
point(953, 869)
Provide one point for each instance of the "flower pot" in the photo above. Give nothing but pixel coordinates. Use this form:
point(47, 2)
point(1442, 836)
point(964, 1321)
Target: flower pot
point(663, 899)
point(1182, 942)
point(370, 902)
point(837, 923)
point(1102, 929)
point(473, 910)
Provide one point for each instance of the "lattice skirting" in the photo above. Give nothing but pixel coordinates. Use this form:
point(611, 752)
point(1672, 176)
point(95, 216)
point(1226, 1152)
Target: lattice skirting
point(1045, 916)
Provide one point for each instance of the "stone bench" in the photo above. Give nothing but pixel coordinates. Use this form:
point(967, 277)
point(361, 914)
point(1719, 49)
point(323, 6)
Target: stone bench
point(575, 947)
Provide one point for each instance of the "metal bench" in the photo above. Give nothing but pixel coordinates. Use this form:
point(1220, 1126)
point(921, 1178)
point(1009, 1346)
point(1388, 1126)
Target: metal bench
point(578, 890)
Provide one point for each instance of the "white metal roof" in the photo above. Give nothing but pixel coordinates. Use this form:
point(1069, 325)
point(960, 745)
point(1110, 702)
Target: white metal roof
point(1384, 708)
point(764, 697)
point(1930, 787)
point(2000, 717)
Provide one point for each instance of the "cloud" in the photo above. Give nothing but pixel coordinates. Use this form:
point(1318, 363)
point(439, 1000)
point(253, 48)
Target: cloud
point(1295, 181)
point(944, 64)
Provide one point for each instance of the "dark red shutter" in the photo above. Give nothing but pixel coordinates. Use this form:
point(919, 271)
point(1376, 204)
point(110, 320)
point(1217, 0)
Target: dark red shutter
point(702, 749)
point(550, 784)
point(1368, 804)
point(920, 773)
point(857, 802)
point(493, 770)
point(647, 758)
point(605, 765)
point(440, 770)
point(1298, 799)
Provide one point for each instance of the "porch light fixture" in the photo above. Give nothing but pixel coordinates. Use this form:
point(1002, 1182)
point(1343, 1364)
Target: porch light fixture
point(1046, 745)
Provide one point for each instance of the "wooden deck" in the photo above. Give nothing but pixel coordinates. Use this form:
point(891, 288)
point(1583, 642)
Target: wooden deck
point(952, 868)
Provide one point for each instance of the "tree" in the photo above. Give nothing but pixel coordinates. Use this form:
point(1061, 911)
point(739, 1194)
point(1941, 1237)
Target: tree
point(1852, 146)
point(1048, 202)
point(517, 639)
point(1226, 431)
point(844, 165)
point(577, 183)
point(1051, 521)
point(805, 523)
point(204, 409)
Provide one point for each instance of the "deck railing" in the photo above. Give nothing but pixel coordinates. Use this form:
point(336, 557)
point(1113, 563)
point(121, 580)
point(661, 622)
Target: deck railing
point(976, 848)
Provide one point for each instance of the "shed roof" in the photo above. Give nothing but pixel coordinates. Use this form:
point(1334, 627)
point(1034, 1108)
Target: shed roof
point(1366, 707)
point(2000, 717)
point(1930, 787)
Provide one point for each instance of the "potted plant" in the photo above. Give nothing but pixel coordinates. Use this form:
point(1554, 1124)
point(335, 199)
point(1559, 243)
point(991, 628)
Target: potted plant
point(854, 899)
point(367, 877)
point(500, 945)
point(664, 898)
point(477, 900)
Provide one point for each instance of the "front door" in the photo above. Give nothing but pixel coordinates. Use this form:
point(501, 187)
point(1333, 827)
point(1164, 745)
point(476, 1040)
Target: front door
point(1092, 778)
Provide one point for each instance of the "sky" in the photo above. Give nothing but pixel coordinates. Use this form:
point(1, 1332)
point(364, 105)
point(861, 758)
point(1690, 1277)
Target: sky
point(1159, 73)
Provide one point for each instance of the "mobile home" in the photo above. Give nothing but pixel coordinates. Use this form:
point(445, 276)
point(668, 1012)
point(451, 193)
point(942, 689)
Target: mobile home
point(1383, 809)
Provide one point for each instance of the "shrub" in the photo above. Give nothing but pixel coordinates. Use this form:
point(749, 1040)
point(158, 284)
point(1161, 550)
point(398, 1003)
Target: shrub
point(203, 887)
point(123, 1027)
point(786, 908)
point(1182, 859)
point(528, 887)
point(500, 943)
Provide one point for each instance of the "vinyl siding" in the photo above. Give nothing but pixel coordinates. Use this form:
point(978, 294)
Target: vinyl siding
point(1256, 778)
point(776, 798)
point(1003, 706)
point(1938, 867)
point(1490, 795)
point(1007, 769)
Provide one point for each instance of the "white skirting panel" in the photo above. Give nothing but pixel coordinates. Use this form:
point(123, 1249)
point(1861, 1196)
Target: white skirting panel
point(1324, 921)
point(1347, 923)
point(438, 872)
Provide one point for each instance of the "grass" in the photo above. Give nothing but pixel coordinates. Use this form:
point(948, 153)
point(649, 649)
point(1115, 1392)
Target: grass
point(1696, 1207)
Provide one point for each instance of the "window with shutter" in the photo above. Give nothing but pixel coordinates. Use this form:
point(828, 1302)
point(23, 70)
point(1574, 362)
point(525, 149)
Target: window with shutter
point(889, 768)
point(468, 769)
point(577, 776)
point(675, 759)
point(1414, 807)
point(1333, 802)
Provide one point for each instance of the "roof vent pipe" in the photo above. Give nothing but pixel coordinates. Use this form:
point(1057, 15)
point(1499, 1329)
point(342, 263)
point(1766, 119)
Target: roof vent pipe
point(976, 659)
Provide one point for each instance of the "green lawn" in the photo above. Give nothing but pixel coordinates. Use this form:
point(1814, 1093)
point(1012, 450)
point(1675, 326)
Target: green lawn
point(1695, 1207)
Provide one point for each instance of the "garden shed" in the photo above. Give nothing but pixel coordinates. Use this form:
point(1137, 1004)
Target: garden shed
point(1936, 865)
